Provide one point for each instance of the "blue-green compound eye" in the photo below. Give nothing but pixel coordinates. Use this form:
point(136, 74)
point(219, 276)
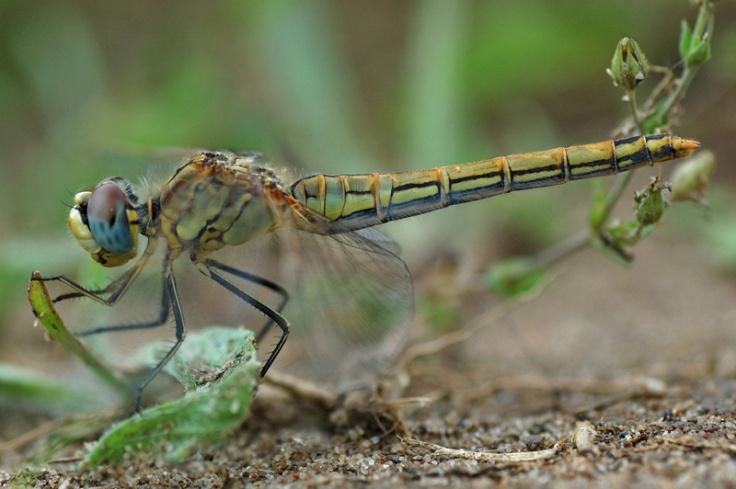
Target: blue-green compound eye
point(108, 220)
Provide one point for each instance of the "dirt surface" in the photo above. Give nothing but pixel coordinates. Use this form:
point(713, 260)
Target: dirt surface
point(612, 377)
point(681, 439)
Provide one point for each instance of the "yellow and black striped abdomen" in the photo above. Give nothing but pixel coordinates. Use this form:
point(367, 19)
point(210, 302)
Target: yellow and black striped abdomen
point(363, 200)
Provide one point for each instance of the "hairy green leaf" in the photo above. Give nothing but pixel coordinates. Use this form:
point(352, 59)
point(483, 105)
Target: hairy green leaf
point(218, 368)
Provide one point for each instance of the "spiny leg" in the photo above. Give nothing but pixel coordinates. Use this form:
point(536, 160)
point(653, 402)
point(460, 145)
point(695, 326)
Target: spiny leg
point(258, 280)
point(75, 295)
point(173, 297)
point(163, 316)
point(270, 313)
point(116, 288)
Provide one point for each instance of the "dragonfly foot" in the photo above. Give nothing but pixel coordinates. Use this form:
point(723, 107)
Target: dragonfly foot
point(137, 401)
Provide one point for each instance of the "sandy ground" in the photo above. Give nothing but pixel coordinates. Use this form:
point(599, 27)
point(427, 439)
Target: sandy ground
point(612, 377)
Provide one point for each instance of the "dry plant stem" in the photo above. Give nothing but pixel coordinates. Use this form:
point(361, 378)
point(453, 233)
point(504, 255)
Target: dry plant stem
point(414, 401)
point(612, 400)
point(328, 400)
point(490, 457)
point(678, 93)
point(397, 422)
point(634, 109)
point(615, 193)
point(301, 389)
point(559, 251)
point(65, 460)
point(437, 345)
point(642, 387)
point(49, 426)
point(30, 436)
point(664, 84)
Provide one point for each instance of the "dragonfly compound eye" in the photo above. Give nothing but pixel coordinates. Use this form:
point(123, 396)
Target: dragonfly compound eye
point(105, 224)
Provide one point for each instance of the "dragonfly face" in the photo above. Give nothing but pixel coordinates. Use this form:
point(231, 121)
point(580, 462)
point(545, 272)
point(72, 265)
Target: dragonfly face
point(105, 222)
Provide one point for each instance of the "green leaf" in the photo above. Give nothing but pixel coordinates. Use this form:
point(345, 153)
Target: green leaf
point(21, 388)
point(439, 312)
point(598, 205)
point(655, 119)
point(694, 44)
point(611, 249)
point(699, 53)
point(623, 234)
point(43, 309)
point(515, 276)
point(629, 65)
point(691, 178)
point(686, 40)
point(218, 367)
point(649, 205)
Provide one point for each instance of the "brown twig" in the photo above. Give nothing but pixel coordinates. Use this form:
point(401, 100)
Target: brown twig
point(490, 457)
point(32, 435)
point(434, 346)
point(302, 389)
point(632, 386)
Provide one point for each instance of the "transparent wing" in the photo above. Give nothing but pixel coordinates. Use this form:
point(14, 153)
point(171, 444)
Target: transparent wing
point(351, 302)
point(352, 306)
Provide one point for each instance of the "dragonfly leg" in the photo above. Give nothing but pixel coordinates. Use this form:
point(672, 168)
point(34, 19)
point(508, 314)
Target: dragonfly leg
point(274, 316)
point(163, 316)
point(116, 288)
point(103, 290)
point(264, 282)
point(173, 299)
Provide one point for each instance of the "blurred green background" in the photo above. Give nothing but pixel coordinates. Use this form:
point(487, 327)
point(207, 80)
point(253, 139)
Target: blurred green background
point(88, 89)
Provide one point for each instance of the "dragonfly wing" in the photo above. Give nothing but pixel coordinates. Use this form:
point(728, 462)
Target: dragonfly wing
point(377, 238)
point(351, 304)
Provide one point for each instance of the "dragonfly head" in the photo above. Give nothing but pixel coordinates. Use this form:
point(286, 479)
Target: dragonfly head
point(105, 222)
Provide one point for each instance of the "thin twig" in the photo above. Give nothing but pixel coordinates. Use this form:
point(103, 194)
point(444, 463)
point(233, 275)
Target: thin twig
point(434, 346)
point(634, 109)
point(65, 460)
point(32, 435)
point(490, 457)
point(301, 389)
point(561, 250)
point(629, 386)
point(664, 84)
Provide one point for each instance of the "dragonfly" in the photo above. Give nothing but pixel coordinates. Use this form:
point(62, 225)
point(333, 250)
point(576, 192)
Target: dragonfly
point(216, 200)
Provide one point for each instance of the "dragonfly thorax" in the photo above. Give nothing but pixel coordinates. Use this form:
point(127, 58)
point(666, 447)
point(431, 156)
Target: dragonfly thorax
point(217, 199)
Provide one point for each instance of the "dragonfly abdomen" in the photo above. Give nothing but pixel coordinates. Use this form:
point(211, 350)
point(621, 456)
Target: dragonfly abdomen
point(363, 200)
